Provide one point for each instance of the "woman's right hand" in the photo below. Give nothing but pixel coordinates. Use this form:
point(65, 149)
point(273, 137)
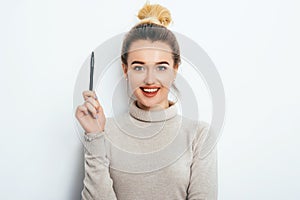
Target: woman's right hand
point(90, 114)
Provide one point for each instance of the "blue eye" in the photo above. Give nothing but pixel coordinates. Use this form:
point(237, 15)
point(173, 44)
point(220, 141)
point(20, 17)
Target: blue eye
point(138, 68)
point(162, 68)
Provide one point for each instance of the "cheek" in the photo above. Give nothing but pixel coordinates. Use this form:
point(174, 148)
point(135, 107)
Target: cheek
point(135, 80)
point(166, 81)
point(163, 78)
point(166, 78)
point(164, 91)
point(136, 76)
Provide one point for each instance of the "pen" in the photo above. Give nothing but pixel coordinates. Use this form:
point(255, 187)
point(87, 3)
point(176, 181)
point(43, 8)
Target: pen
point(91, 72)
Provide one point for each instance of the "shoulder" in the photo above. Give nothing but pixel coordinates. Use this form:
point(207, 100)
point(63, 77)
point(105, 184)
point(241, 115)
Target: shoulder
point(198, 125)
point(205, 141)
point(202, 131)
point(198, 130)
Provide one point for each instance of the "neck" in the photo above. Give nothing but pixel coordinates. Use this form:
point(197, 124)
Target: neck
point(160, 115)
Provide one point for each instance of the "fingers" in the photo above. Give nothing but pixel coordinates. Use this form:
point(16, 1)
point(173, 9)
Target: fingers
point(87, 93)
point(91, 109)
point(83, 109)
point(91, 103)
point(94, 102)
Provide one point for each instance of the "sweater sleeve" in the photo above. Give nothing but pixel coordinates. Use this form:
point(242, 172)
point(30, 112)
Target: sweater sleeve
point(203, 183)
point(97, 183)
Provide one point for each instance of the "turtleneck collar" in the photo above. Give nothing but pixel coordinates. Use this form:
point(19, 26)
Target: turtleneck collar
point(153, 115)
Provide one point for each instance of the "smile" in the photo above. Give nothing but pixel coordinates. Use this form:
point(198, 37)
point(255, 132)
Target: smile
point(149, 92)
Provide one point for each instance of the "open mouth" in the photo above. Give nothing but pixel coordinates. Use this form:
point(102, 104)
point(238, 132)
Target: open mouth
point(149, 91)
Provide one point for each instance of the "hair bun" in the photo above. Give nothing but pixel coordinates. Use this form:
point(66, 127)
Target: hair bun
point(155, 13)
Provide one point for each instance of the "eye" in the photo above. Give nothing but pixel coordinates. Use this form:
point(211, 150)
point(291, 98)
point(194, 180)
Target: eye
point(138, 68)
point(162, 68)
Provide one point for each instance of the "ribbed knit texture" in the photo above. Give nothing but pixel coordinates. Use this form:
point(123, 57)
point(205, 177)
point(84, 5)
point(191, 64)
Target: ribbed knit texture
point(149, 155)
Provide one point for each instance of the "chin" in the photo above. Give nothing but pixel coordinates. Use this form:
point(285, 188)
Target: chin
point(148, 102)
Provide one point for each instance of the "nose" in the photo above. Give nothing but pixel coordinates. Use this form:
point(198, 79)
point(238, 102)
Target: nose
point(150, 77)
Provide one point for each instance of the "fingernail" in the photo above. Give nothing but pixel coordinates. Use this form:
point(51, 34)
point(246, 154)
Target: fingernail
point(96, 117)
point(96, 97)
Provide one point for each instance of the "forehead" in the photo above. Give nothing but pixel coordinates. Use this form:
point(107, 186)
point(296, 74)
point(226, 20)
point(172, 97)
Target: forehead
point(147, 51)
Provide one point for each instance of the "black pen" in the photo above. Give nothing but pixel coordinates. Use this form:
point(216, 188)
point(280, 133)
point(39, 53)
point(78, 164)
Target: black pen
point(91, 72)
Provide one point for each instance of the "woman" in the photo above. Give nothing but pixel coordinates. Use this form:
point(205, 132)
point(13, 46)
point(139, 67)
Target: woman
point(150, 60)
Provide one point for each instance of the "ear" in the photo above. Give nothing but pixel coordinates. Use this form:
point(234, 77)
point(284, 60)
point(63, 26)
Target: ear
point(175, 70)
point(125, 68)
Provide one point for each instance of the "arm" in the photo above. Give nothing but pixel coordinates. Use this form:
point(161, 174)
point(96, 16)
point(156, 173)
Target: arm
point(204, 171)
point(97, 181)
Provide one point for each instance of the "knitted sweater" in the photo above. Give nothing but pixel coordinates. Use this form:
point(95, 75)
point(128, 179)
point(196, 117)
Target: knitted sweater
point(149, 155)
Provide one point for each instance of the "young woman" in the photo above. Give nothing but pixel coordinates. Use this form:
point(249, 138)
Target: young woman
point(151, 152)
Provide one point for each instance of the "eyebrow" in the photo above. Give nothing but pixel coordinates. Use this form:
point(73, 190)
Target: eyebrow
point(142, 63)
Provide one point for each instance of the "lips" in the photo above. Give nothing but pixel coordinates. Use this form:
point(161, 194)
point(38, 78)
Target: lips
point(150, 91)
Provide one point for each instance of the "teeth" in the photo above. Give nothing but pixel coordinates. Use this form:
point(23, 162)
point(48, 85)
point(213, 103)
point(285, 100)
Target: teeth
point(150, 90)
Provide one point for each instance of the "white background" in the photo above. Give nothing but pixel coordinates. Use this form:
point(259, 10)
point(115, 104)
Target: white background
point(254, 44)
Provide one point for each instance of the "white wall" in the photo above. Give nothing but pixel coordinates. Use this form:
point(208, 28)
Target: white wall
point(254, 45)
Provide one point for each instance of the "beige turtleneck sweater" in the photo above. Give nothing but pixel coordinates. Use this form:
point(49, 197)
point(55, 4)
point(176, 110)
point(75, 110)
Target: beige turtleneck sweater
point(149, 155)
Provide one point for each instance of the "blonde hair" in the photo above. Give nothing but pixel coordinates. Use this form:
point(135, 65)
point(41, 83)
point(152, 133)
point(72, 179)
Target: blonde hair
point(154, 13)
point(153, 27)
